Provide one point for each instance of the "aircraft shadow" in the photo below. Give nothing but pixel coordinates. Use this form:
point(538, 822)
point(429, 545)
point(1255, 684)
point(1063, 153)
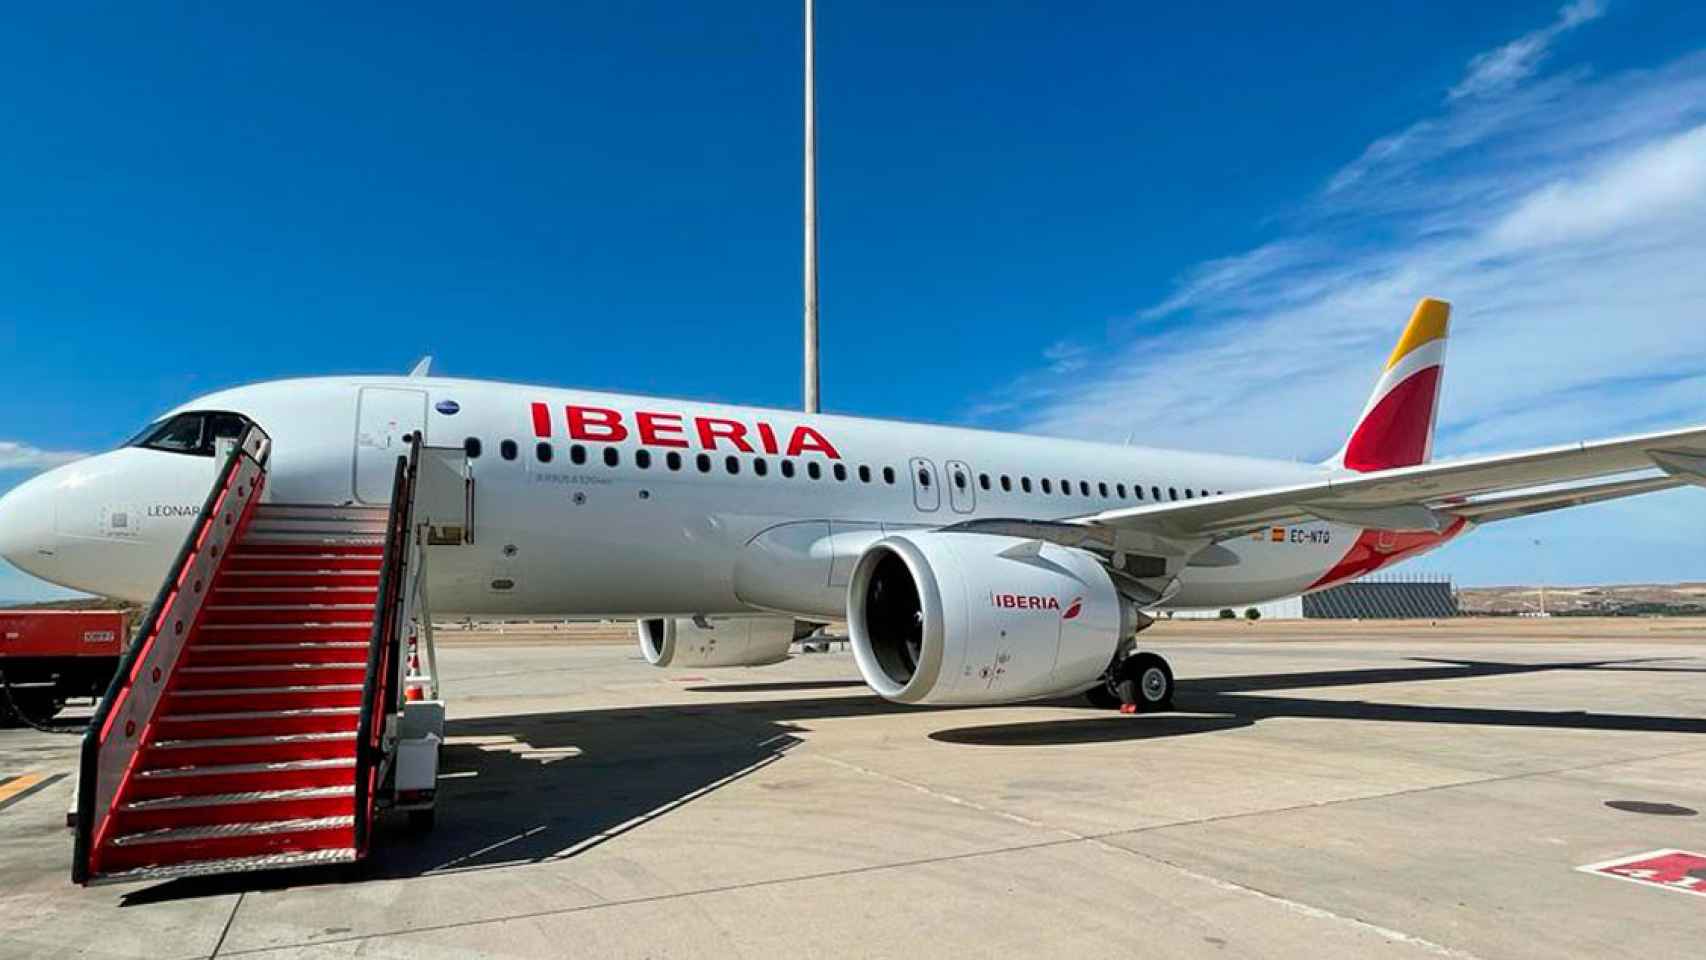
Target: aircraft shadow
point(543, 787)
point(1230, 703)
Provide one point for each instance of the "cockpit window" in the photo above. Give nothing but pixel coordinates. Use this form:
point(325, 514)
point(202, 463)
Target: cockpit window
point(197, 434)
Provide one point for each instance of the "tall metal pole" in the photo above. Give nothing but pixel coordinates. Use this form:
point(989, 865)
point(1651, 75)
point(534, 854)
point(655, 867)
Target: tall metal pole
point(811, 387)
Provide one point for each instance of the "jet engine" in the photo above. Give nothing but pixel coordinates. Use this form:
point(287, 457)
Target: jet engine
point(940, 617)
point(718, 641)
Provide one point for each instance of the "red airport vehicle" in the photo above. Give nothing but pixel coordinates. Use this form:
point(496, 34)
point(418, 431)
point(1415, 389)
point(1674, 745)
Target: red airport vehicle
point(49, 656)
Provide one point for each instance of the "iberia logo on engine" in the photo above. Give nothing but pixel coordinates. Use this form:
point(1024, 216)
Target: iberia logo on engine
point(1030, 601)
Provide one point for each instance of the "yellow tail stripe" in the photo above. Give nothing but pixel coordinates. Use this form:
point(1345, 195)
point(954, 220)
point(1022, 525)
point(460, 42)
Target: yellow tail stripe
point(1427, 324)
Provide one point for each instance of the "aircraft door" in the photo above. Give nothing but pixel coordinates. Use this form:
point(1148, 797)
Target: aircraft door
point(384, 417)
point(926, 493)
point(444, 496)
point(962, 496)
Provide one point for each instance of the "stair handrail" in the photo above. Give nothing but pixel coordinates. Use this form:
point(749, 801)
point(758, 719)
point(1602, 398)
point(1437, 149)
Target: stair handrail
point(380, 690)
point(125, 714)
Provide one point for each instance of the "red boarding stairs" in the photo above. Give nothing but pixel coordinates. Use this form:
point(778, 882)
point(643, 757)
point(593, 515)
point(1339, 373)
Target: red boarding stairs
point(248, 727)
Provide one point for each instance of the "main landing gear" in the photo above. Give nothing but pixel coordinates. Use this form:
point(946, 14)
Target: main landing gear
point(1141, 681)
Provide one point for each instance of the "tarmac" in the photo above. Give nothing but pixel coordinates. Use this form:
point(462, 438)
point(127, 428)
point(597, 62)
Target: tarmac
point(1367, 790)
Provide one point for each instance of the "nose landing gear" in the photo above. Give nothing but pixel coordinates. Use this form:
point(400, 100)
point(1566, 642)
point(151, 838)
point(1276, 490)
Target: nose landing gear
point(1140, 681)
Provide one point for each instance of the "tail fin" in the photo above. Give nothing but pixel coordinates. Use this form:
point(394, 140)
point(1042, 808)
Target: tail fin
point(1396, 428)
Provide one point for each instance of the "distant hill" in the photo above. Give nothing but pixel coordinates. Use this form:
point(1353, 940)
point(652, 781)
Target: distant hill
point(74, 603)
point(1617, 600)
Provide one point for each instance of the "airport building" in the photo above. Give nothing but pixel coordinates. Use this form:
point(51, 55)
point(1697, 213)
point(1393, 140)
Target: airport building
point(1390, 597)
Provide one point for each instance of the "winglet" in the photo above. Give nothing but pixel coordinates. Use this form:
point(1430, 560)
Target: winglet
point(422, 368)
point(1396, 428)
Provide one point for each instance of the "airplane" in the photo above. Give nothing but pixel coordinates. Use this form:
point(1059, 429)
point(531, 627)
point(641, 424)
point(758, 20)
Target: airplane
point(970, 566)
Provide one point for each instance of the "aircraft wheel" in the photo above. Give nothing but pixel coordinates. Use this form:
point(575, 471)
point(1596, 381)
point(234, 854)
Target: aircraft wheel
point(1146, 682)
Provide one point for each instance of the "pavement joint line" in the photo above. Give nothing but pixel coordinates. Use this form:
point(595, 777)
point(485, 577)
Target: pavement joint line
point(1293, 906)
point(1479, 781)
point(664, 897)
point(1296, 906)
point(226, 930)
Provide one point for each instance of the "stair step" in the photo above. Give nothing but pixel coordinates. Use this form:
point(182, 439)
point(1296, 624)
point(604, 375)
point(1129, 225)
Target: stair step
point(241, 777)
point(313, 511)
point(177, 845)
point(270, 748)
point(297, 613)
point(217, 830)
point(269, 676)
point(206, 808)
point(202, 868)
point(295, 579)
point(292, 536)
point(231, 633)
point(360, 594)
point(268, 654)
point(303, 720)
point(238, 699)
point(274, 562)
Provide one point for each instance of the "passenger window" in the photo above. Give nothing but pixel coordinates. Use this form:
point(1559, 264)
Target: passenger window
point(1205, 493)
point(959, 480)
point(814, 471)
point(1084, 487)
point(612, 456)
point(471, 448)
point(1172, 493)
point(888, 476)
point(1066, 488)
point(840, 473)
point(577, 454)
point(761, 467)
point(983, 480)
point(731, 464)
point(1157, 492)
point(923, 477)
point(703, 462)
point(788, 468)
point(643, 459)
point(672, 460)
point(1025, 484)
point(508, 450)
point(1047, 486)
point(1006, 484)
point(542, 452)
point(864, 474)
point(1102, 487)
point(1119, 488)
point(1188, 494)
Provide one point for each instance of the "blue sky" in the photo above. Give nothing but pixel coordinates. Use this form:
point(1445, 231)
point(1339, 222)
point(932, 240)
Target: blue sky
point(1200, 226)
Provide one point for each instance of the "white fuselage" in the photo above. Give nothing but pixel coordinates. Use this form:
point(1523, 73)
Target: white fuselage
point(564, 531)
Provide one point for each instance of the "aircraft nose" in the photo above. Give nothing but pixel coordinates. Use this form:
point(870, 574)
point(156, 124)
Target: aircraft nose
point(26, 524)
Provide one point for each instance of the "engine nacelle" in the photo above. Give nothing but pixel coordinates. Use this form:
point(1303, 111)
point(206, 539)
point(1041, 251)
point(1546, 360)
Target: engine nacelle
point(973, 618)
point(720, 642)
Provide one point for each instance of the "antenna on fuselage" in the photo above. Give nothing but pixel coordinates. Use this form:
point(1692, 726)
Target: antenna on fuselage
point(422, 368)
point(811, 386)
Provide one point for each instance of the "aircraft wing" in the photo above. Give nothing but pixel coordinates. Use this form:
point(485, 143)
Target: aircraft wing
point(1429, 497)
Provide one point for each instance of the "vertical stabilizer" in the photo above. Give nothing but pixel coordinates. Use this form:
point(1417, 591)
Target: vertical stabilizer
point(1396, 428)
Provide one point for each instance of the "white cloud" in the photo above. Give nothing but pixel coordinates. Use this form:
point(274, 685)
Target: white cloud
point(1566, 220)
point(1066, 357)
point(1653, 185)
point(1501, 68)
point(22, 456)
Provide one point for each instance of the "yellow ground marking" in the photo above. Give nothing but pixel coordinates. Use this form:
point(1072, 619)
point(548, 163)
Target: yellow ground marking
point(18, 785)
